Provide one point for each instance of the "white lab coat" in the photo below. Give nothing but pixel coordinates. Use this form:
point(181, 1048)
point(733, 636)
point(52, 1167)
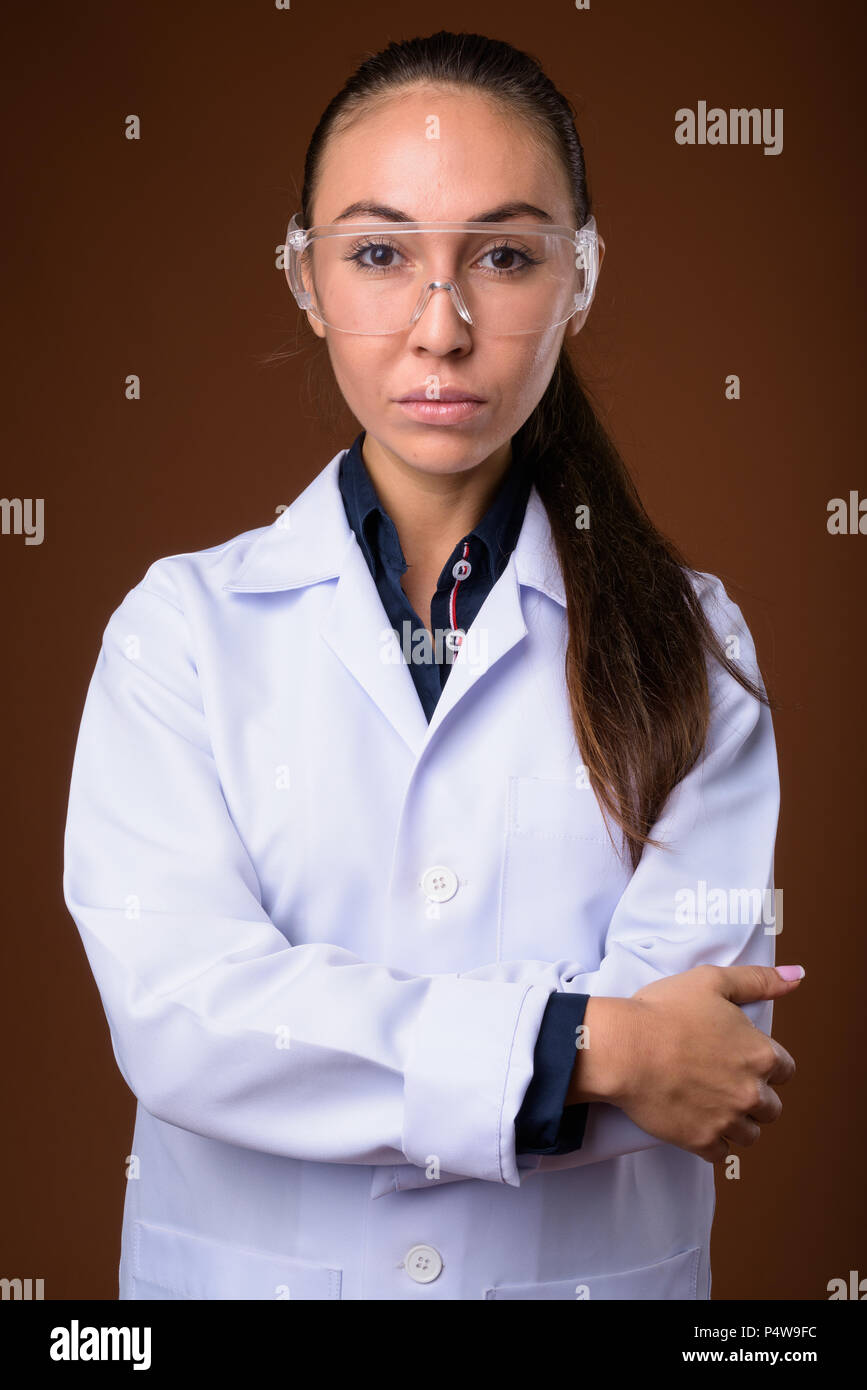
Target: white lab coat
point(329, 1043)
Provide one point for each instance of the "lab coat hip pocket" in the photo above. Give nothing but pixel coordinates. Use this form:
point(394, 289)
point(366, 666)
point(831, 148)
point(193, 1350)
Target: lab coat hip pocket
point(674, 1278)
point(169, 1263)
point(561, 876)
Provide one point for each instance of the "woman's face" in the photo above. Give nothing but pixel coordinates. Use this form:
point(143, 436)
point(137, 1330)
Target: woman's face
point(481, 160)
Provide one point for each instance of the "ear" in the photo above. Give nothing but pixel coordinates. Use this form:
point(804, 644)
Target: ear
point(316, 324)
point(577, 321)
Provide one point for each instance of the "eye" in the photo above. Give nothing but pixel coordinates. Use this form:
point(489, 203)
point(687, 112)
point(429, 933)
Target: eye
point(509, 260)
point(385, 256)
point(505, 258)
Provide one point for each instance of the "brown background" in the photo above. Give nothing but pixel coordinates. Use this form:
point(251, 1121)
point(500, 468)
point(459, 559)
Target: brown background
point(157, 257)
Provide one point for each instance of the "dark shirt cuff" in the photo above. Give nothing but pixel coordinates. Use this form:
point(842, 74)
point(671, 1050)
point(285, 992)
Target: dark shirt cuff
point(544, 1124)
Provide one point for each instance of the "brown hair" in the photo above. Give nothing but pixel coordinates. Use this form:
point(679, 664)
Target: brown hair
point(635, 666)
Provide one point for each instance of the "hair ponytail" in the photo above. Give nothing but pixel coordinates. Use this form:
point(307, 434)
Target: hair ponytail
point(638, 636)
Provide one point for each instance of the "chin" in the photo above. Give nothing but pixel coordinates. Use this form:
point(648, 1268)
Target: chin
point(429, 451)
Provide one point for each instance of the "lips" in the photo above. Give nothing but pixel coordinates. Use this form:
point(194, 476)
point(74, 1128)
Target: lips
point(447, 394)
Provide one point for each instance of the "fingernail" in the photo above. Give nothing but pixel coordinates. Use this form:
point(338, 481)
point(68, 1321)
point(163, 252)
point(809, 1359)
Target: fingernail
point(791, 972)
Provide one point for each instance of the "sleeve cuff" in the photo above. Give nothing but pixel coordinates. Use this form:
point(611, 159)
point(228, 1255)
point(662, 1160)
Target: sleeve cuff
point(470, 1063)
point(545, 1124)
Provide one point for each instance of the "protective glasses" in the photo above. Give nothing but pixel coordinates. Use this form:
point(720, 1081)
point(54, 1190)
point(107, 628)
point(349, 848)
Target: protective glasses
point(504, 278)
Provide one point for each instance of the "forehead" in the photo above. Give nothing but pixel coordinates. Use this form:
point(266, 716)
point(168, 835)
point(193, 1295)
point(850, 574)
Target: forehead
point(439, 155)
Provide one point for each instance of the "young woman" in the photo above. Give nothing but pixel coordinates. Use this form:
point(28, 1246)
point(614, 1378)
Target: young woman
point(421, 842)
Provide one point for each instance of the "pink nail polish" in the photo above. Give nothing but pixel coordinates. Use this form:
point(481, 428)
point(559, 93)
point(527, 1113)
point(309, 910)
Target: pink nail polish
point(791, 972)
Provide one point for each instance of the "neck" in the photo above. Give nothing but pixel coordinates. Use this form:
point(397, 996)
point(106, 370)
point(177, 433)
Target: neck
point(431, 511)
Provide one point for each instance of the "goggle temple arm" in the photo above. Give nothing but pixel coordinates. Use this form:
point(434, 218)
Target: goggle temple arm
point(587, 258)
point(296, 240)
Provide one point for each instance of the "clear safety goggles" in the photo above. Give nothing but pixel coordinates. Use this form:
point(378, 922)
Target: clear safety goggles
point(504, 278)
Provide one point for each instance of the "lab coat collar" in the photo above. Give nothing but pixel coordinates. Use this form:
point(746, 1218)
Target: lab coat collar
point(309, 543)
point(313, 542)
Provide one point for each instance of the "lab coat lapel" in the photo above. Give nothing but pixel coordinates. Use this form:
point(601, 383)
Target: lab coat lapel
point(311, 543)
point(500, 623)
point(359, 633)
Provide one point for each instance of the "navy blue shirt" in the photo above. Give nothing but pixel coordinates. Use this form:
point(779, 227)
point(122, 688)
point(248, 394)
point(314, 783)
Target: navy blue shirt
point(544, 1124)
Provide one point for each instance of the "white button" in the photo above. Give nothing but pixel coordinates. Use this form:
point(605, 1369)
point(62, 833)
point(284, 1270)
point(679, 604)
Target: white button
point(439, 883)
point(462, 570)
point(423, 1264)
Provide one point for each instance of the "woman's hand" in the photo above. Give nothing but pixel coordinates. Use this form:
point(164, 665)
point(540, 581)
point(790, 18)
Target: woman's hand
point(684, 1061)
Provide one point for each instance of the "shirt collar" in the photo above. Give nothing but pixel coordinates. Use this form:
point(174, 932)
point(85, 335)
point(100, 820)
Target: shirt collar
point(497, 531)
point(311, 542)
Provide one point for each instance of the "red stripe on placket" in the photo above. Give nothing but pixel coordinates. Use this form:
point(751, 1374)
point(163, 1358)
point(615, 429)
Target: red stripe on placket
point(454, 593)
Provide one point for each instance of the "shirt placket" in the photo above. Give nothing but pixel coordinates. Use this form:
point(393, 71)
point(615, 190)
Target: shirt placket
point(449, 605)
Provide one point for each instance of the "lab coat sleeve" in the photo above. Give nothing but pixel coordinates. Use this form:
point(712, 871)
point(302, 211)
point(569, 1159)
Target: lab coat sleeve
point(707, 897)
point(219, 1024)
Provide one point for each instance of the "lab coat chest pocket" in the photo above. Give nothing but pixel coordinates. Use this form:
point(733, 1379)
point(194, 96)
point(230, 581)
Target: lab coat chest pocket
point(561, 876)
point(168, 1263)
point(674, 1278)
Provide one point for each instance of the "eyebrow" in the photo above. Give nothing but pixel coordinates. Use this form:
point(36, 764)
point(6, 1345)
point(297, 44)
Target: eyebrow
point(503, 213)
